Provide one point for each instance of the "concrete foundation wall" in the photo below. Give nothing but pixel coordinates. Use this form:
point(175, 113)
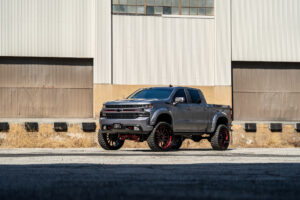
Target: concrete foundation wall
point(17, 137)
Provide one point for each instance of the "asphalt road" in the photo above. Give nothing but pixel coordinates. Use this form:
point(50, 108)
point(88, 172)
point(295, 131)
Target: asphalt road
point(142, 174)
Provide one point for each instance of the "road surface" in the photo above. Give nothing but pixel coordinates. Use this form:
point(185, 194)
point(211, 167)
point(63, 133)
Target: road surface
point(142, 174)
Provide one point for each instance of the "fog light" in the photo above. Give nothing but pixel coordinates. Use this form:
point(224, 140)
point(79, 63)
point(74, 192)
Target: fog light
point(136, 128)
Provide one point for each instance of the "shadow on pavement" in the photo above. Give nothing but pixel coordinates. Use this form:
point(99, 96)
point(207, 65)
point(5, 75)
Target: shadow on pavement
point(192, 181)
point(146, 153)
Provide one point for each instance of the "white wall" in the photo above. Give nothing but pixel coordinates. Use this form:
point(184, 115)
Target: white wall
point(58, 28)
point(223, 42)
point(266, 30)
point(173, 50)
point(162, 50)
point(102, 61)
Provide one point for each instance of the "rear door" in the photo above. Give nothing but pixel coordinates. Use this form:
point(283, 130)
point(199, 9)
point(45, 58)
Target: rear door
point(198, 112)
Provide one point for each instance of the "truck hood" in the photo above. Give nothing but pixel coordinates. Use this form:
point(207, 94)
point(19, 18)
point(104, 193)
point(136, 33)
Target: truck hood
point(134, 101)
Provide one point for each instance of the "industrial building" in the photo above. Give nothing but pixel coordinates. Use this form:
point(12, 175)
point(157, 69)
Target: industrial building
point(64, 58)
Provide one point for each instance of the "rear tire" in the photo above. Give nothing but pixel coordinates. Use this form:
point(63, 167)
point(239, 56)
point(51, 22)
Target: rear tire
point(161, 137)
point(109, 141)
point(220, 139)
point(177, 142)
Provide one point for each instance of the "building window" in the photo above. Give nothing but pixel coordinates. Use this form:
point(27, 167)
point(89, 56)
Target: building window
point(164, 7)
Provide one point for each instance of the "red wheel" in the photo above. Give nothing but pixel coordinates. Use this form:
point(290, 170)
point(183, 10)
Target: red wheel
point(161, 137)
point(221, 138)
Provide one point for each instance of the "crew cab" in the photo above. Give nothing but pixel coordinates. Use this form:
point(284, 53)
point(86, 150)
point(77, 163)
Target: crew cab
point(164, 117)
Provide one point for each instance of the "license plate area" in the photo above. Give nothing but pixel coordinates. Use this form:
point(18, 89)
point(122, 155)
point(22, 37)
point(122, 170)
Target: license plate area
point(117, 126)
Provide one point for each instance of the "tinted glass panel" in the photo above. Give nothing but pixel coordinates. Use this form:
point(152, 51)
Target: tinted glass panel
point(140, 2)
point(158, 10)
point(167, 7)
point(140, 9)
point(180, 93)
point(123, 9)
point(167, 10)
point(150, 2)
point(153, 93)
point(150, 10)
point(195, 97)
point(116, 8)
point(132, 2)
point(209, 3)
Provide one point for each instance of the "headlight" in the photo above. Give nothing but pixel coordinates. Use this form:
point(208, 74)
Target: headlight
point(103, 106)
point(148, 106)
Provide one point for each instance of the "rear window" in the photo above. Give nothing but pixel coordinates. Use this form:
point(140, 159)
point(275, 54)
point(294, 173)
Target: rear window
point(152, 93)
point(195, 97)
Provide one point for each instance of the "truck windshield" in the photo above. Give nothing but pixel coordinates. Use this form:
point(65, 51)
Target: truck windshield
point(152, 93)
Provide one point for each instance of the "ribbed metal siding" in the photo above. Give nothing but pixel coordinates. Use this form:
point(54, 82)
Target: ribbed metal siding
point(162, 50)
point(266, 30)
point(56, 28)
point(223, 42)
point(173, 50)
point(102, 64)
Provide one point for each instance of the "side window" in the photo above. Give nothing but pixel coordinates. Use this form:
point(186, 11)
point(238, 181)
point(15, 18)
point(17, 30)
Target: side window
point(180, 93)
point(195, 97)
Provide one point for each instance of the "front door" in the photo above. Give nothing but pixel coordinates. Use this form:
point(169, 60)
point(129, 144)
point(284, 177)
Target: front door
point(181, 113)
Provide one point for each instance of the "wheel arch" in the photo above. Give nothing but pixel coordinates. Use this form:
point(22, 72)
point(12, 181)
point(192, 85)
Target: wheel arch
point(219, 118)
point(161, 115)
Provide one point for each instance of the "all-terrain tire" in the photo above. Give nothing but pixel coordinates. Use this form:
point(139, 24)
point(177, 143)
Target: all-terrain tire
point(177, 142)
point(160, 138)
point(109, 142)
point(220, 139)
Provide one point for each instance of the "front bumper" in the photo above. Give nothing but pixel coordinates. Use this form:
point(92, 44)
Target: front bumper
point(141, 122)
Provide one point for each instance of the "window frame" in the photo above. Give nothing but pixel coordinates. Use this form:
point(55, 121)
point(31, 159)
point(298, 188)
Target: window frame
point(185, 93)
point(191, 99)
point(178, 6)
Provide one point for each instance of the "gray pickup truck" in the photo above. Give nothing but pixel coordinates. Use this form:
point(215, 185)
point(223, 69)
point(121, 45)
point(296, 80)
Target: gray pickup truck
point(164, 117)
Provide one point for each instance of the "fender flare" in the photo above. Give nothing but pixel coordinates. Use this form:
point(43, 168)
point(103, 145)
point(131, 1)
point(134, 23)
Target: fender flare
point(157, 113)
point(215, 120)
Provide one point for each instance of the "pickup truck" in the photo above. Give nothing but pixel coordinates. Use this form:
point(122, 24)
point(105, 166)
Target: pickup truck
point(164, 117)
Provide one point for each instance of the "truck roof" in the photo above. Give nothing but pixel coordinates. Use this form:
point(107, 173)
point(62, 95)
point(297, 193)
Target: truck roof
point(175, 87)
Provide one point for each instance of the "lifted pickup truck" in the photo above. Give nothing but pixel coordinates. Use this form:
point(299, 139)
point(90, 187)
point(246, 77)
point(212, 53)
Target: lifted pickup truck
point(164, 117)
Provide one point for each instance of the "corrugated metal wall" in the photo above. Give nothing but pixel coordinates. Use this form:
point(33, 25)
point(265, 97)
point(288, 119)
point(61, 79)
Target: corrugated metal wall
point(102, 64)
point(223, 42)
point(173, 50)
point(46, 87)
point(162, 50)
point(54, 28)
point(266, 91)
point(266, 30)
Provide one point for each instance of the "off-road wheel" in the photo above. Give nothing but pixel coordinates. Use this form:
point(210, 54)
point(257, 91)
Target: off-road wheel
point(161, 137)
point(220, 139)
point(177, 142)
point(109, 141)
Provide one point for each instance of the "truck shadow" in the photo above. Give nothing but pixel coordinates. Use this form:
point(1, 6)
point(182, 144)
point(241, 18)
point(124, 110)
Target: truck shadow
point(186, 181)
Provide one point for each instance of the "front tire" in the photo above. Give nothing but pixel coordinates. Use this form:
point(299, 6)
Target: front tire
point(109, 141)
point(220, 139)
point(161, 137)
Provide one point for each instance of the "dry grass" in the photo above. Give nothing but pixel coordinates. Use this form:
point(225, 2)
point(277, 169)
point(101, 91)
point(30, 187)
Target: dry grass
point(46, 137)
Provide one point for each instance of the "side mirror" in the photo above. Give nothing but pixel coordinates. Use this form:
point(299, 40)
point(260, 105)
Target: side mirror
point(178, 100)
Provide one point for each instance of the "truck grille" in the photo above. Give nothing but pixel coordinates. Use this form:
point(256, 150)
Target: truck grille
point(125, 106)
point(122, 115)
